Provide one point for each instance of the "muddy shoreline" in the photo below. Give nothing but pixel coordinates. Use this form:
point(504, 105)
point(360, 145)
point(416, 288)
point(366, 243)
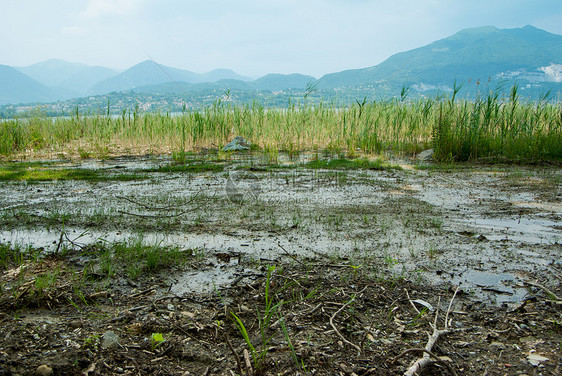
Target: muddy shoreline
point(382, 238)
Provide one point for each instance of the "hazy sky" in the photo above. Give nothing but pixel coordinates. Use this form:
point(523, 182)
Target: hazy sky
point(252, 37)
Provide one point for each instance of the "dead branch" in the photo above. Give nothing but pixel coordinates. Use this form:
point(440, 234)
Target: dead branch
point(73, 242)
point(162, 208)
point(428, 356)
point(238, 363)
point(337, 331)
point(149, 207)
point(362, 345)
point(426, 360)
point(153, 216)
point(248, 363)
point(435, 357)
point(550, 294)
point(289, 254)
point(411, 302)
point(447, 324)
point(60, 243)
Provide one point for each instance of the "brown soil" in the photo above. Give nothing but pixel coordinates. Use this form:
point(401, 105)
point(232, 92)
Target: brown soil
point(53, 327)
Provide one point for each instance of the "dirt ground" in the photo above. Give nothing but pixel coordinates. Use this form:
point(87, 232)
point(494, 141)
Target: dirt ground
point(281, 271)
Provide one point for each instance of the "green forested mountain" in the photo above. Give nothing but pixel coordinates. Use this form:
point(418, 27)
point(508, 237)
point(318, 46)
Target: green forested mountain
point(478, 54)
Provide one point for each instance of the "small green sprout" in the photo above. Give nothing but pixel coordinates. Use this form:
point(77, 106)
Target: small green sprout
point(156, 339)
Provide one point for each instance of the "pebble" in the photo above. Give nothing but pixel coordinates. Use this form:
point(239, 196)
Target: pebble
point(536, 359)
point(498, 345)
point(187, 314)
point(44, 370)
point(76, 324)
point(109, 340)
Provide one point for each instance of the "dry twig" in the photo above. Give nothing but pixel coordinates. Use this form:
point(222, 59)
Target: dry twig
point(248, 363)
point(336, 329)
point(149, 207)
point(435, 357)
point(238, 363)
point(428, 355)
point(550, 294)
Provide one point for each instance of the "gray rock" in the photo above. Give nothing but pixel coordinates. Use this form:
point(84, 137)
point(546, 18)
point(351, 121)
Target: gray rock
point(238, 143)
point(536, 359)
point(426, 155)
point(109, 340)
point(44, 370)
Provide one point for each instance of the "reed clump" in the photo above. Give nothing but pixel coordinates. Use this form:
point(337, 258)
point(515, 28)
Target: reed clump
point(485, 128)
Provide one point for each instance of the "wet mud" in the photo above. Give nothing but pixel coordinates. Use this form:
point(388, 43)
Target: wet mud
point(368, 242)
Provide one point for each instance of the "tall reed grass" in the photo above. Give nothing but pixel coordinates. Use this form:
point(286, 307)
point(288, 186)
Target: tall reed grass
point(488, 127)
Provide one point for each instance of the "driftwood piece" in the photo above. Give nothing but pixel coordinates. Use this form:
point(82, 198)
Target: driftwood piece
point(435, 357)
point(427, 359)
point(428, 356)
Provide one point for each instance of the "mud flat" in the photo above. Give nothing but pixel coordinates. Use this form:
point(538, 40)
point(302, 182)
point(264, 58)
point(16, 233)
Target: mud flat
point(327, 271)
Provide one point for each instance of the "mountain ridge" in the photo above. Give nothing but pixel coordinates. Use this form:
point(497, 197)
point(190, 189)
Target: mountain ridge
point(17, 86)
point(477, 54)
point(482, 54)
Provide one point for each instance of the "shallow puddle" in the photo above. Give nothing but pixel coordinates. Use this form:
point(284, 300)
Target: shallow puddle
point(530, 230)
point(494, 287)
point(411, 222)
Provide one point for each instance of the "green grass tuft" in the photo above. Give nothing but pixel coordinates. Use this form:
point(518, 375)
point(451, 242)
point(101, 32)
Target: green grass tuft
point(348, 164)
point(44, 172)
point(192, 168)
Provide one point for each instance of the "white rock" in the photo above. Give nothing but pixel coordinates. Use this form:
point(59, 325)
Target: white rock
point(536, 359)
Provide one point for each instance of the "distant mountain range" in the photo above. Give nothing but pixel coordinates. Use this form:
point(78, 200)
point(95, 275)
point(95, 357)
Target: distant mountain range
point(149, 73)
point(73, 78)
point(484, 55)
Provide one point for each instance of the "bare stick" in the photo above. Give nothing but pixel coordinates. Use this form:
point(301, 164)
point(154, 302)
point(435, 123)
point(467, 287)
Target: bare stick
point(412, 303)
point(449, 309)
point(337, 331)
point(425, 360)
point(160, 215)
point(362, 346)
point(73, 242)
point(152, 216)
point(434, 326)
point(248, 364)
point(288, 254)
point(60, 243)
point(435, 357)
point(235, 355)
point(427, 357)
point(157, 207)
point(550, 294)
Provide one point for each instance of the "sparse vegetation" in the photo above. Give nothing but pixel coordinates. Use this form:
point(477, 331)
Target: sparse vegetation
point(138, 257)
point(44, 171)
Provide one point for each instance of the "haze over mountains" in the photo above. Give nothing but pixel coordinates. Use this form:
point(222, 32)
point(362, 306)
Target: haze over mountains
point(486, 55)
